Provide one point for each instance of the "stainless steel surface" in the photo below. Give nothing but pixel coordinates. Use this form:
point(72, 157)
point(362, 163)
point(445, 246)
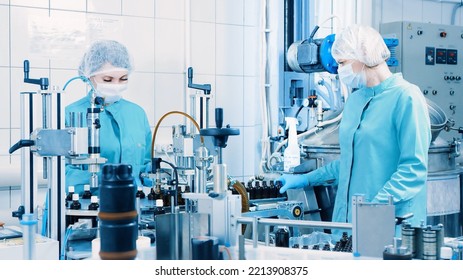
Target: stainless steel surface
point(220, 178)
point(373, 227)
point(174, 232)
point(298, 223)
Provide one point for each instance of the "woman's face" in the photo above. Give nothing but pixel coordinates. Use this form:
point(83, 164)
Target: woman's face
point(114, 77)
point(110, 83)
point(357, 66)
point(110, 74)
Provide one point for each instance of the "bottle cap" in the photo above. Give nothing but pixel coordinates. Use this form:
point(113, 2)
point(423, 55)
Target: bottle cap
point(94, 199)
point(75, 196)
point(86, 187)
point(446, 253)
point(71, 189)
point(159, 203)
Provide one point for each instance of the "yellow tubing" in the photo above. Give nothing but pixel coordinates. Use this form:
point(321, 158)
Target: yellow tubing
point(244, 196)
point(162, 118)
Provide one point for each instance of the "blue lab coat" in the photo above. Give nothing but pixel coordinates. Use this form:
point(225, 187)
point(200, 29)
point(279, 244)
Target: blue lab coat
point(384, 138)
point(125, 137)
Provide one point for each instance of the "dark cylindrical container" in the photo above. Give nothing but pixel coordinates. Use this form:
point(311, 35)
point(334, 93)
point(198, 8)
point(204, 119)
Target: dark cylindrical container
point(118, 214)
point(205, 248)
point(396, 257)
point(282, 238)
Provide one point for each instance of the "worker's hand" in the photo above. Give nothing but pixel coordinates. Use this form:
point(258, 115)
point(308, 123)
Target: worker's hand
point(148, 167)
point(293, 181)
point(147, 182)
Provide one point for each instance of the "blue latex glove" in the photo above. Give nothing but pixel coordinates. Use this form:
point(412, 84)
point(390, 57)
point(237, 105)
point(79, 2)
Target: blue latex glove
point(293, 181)
point(148, 167)
point(147, 182)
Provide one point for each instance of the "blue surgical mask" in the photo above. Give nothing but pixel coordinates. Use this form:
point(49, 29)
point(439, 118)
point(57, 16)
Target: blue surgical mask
point(350, 78)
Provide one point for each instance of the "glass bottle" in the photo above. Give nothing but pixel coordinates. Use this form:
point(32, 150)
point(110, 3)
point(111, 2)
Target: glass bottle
point(152, 194)
point(259, 190)
point(69, 196)
point(159, 208)
point(87, 194)
point(75, 205)
point(93, 203)
point(140, 193)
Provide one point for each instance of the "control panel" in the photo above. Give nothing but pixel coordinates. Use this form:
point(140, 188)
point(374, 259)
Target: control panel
point(430, 56)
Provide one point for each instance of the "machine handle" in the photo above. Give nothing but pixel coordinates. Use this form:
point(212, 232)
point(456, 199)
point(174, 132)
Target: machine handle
point(43, 82)
point(21, 144)
point(218, 117)
point(205, 87)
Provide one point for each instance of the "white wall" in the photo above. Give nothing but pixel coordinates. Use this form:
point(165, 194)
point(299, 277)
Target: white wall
point(218, 38)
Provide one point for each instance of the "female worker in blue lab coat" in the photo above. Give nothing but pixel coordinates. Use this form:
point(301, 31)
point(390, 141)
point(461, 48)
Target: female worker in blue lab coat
point(384, 134)
point(125, 134)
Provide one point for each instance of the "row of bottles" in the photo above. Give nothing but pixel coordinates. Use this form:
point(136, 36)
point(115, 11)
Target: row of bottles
point(263, 189)
point(163, 195)
point(72, 199)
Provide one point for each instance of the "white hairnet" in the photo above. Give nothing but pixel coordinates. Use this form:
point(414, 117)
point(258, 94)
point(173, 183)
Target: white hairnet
point(100, 54)
point(361, 43)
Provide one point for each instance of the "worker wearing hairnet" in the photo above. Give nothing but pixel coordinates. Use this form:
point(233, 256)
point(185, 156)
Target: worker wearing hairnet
point(125, 134)
point(384, 134)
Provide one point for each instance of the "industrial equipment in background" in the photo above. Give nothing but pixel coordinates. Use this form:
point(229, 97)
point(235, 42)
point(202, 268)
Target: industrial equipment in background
point(435, 50)
point(314, 96)
point(55, 145)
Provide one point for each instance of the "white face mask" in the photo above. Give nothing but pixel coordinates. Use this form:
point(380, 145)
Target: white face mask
point(350, 78)
point(110, 92)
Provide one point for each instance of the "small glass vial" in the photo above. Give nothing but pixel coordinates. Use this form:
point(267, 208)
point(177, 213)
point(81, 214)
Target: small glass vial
point(75, 205)
point(159, 207)
point(93, 203)
point(140, 193)
point(69, 196)
point(152, 194)
point(87, 194)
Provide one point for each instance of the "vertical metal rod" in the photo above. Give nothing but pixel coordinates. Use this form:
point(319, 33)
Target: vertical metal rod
point(193, 112)
point(46, 123)
point(255, 234)
point(177, 235)
point(201, 112)
point(241, 252)
point(59, 177)
point(26, 155)
point(207, 111)
point(267, 235)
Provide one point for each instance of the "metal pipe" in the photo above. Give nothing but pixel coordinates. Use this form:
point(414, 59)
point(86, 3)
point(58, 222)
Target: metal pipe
point(46, 123)
point(267, 235)
point(255, 237)
point(288, 28)
point(296, 223)
point(220, 178)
